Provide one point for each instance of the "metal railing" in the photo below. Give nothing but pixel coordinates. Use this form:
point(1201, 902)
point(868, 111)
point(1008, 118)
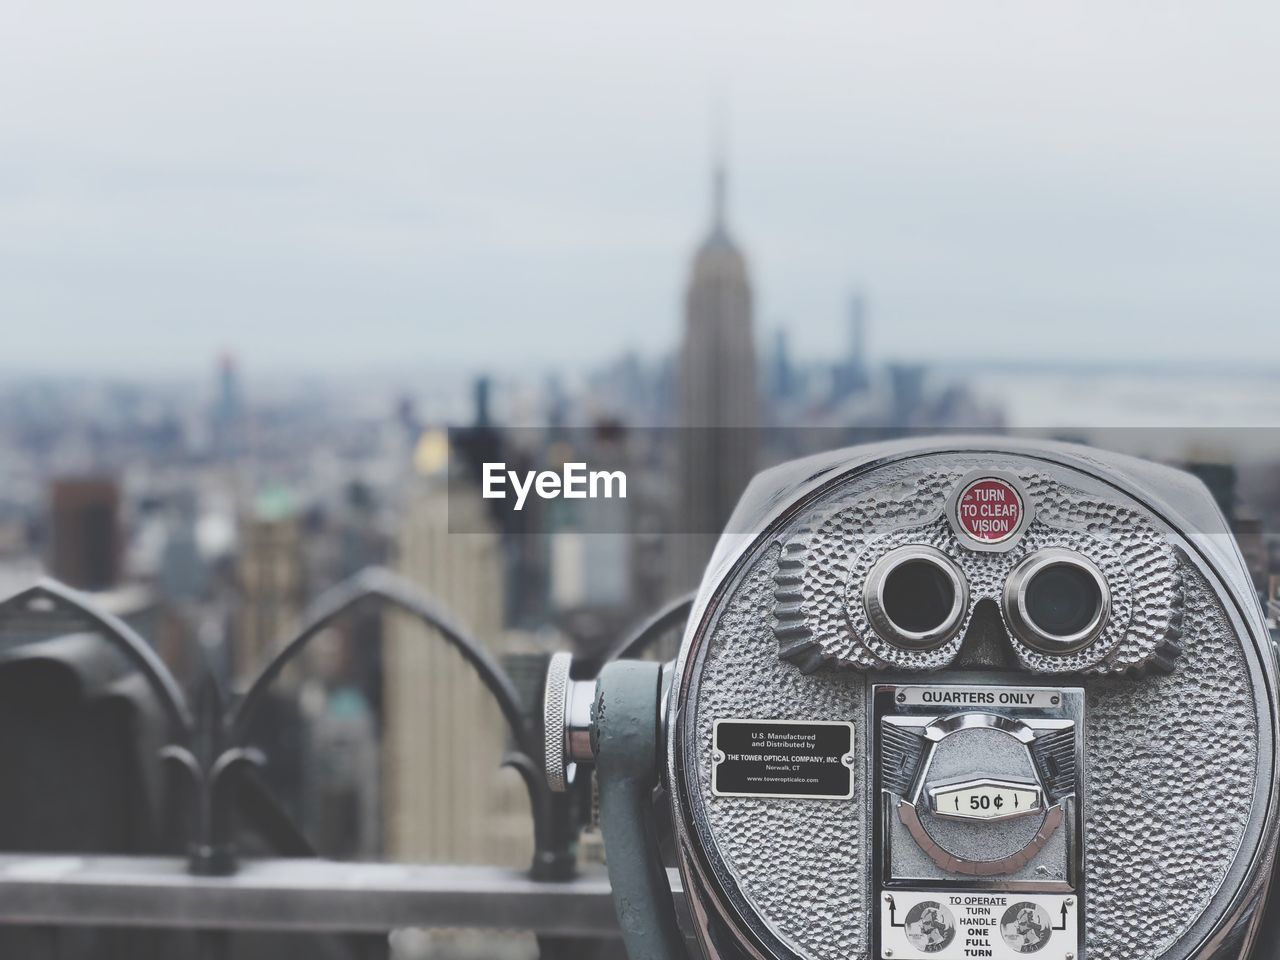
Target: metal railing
point(216, 775)
point(314, 896)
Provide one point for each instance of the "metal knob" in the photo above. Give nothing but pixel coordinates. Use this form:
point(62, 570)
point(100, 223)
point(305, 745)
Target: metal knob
point(566, 722)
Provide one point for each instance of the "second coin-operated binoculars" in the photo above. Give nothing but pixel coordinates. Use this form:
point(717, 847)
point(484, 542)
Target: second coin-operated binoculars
point(943, 700)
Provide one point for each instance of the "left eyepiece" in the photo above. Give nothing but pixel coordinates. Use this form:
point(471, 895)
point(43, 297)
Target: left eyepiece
point(915, 597)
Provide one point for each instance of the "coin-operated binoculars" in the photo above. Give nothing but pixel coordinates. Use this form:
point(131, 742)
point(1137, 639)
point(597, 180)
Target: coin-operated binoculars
point(943, 700)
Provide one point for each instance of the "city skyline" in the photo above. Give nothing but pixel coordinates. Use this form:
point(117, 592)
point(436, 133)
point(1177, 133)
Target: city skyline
point(162, 209)
point(437, 438)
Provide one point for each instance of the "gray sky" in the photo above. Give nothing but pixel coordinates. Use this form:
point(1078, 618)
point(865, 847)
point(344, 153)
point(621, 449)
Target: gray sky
point(316, 184)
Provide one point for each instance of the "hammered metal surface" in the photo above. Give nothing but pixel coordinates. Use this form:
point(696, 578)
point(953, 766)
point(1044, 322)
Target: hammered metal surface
point(800, 863)
point(1169, 783)
point(820, 618)
point(1171, 764)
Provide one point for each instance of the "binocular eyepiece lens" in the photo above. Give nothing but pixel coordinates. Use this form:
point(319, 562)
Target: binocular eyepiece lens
point(918, 596)
point(1062, 600)
point(1057, 601)
point(915, 597)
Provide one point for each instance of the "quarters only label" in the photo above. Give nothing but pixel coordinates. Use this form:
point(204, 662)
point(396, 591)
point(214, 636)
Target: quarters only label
point(782, 758)
point(1027, 698)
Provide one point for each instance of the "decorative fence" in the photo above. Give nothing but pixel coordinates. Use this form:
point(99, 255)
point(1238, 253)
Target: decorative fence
point(214, 784)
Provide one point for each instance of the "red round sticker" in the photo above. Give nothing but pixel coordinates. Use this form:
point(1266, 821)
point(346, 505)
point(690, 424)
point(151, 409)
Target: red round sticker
point(989, 510)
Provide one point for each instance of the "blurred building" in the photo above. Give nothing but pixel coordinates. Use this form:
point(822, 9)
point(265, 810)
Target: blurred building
point(852, 375)
point(782, 373)
point(87, 543)
point(606, 554)
point(591, 548)
point(446, 798)
point(227, 415)
point(719, 403)
point(271, 576)
point(340, 778)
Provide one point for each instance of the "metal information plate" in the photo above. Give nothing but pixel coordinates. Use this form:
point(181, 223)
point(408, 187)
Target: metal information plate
point(959, 925)
point(952, 697)
point(783, 758)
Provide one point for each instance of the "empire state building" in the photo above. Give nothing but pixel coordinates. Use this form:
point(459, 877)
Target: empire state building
point(718, 400)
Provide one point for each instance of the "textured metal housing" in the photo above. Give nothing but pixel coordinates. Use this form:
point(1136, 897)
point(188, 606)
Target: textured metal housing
point(1179, 805)
point(831, 562)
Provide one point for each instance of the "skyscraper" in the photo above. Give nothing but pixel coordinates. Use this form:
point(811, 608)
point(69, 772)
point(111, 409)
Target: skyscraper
point(228, 409)
point(850, 375)
point(719, 405)
point(447, 800)
point(87, 544)
point(782, 376)
point(271, 575)
point(858, 341)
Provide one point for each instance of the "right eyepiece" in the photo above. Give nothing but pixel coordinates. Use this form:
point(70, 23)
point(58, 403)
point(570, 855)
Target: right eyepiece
point(1056, 601)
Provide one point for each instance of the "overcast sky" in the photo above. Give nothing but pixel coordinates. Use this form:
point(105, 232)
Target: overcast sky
point(317, 185)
